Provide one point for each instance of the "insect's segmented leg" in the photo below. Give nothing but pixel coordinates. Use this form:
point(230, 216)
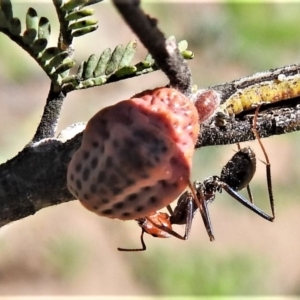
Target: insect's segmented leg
point(200, 200)
point(267, 162)
point(234, 194)
point(170, 210)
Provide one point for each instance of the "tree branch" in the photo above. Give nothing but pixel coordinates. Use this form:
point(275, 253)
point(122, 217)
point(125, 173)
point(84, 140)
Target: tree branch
point(50, 117)
point(36, 177)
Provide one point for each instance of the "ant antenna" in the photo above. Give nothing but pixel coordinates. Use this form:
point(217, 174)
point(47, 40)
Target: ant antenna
point(138, 249)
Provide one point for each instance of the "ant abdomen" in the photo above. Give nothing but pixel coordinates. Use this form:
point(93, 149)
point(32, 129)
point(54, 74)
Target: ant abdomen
point(240, 169)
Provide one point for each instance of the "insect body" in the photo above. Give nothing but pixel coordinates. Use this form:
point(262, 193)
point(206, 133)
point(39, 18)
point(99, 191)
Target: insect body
point(235, 176)
point(136, 156)
point(268, 91)
point(207, 103)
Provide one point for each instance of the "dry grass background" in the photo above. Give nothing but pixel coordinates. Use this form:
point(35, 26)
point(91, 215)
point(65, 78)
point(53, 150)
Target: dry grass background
point(66, 250)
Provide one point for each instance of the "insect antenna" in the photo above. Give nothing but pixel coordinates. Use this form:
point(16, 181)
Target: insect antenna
point(137, 249)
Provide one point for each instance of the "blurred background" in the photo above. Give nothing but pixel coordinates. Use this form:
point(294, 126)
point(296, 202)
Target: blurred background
point(67, 250)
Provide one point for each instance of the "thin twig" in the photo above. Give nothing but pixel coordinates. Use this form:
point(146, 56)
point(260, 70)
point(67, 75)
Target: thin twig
point(164, 52)
point(65, 37)
point(50, 117)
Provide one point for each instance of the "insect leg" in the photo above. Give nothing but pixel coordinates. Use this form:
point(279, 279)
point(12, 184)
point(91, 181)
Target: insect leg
point(267, 162)
point(200, 200)
point(246, 202)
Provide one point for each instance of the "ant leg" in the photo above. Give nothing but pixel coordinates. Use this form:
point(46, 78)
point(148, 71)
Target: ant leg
point(245, 202)
point(202, 205)
point(170, 210)
point(189, 219)
point(138, 249)
point(267, 162)
point(167, 230)
point(184, 211)
point(248, 185)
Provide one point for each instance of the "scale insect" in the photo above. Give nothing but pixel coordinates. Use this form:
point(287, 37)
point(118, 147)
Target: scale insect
point(135, 156)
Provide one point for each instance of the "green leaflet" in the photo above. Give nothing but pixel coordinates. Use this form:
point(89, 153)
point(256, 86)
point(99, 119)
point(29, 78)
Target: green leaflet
point(183, 48)
point(29, 36)
point(83, 31)
point(6, 8)
point(90, 66)
point(66, 65)
point(15, 26)
point(128, 54)
point(39, 45)
point(72, 4)
point(49, 53)
point(182, 45)
point(32, 19)
point(125, 71)
point(75, 21)
point(58, 59)
point(44, 28)
point(85, 12)
point(82, 24)
point(148, 61)
point(91, 82)
point(102, 63)
point(115, 59)
point(187, 54)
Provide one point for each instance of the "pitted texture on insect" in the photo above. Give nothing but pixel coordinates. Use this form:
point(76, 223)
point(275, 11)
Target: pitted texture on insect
point(135, 157)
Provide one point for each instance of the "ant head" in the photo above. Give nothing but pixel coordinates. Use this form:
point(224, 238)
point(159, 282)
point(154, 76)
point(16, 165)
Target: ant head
point(149, 224)
point(156, 225)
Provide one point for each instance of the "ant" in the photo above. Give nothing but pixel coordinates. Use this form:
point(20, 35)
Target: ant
point(235, 176)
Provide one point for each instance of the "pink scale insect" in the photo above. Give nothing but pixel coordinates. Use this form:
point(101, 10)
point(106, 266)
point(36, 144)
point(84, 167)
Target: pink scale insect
point(136, 156)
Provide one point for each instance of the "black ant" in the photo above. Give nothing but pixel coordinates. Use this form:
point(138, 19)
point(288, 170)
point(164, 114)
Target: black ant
point(235, 176)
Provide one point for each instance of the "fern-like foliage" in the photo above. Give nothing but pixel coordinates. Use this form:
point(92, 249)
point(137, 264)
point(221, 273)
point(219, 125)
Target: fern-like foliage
point(55, 61)
point(75, 20)
point(115, 65)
